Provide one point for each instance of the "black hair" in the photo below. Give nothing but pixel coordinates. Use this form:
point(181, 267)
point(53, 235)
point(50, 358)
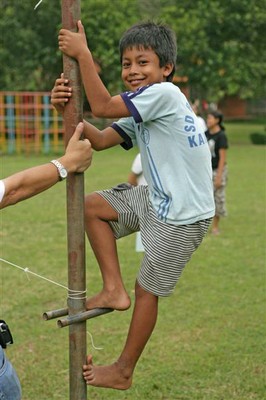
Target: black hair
point(218, 115)
point(150, 35)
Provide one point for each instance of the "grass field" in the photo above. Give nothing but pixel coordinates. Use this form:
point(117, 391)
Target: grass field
point(209, 343)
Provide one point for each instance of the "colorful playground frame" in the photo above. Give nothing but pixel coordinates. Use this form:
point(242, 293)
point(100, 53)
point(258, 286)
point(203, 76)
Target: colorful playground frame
point(29, 123)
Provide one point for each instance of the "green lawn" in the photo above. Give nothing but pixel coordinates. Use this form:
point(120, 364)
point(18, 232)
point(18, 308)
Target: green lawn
point(209, 343)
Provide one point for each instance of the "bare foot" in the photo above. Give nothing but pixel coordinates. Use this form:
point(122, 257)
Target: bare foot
point(117, 300)
point(109, 376)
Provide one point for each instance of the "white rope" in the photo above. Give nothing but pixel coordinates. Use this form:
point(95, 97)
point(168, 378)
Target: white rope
point(37, 5)
point(73, 294)
point(92, 343)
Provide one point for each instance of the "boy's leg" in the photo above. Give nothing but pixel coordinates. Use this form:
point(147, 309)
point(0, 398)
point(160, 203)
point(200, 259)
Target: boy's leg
point(119, 374)
point(97, 214)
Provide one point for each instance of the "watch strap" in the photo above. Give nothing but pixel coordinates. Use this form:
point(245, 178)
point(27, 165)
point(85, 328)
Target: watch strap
point(59, 167)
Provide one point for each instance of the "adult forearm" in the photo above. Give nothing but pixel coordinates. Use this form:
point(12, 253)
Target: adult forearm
point(28, 183)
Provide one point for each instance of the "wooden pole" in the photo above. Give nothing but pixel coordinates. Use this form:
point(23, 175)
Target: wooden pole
point(75, 219)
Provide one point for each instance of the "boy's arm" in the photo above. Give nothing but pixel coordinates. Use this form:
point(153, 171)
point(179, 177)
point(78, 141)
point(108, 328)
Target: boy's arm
point(101, 140)
point(101, 102)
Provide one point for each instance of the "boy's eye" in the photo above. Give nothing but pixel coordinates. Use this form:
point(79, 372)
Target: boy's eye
point(125, 64)
point(143, 62)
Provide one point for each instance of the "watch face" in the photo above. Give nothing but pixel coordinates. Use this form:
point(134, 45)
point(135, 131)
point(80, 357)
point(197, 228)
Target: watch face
point(63, 173)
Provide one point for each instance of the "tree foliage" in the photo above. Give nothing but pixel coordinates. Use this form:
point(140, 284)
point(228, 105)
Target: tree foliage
point(28, 52)
point(220, 43)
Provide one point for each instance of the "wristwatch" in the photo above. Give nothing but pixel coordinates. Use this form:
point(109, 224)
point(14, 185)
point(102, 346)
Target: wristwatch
point(62, 172)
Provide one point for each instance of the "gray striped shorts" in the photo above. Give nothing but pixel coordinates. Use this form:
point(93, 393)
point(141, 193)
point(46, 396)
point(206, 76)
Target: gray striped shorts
point(168, 248)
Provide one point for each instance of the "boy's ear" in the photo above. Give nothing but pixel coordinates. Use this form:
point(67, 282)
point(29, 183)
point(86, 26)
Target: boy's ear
point(168, 68)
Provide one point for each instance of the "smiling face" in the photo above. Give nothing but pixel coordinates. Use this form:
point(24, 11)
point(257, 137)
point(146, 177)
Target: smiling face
point(141, 67)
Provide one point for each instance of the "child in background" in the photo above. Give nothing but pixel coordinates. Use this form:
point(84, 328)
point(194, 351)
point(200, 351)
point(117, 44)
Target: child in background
point(218, 144)
point(135, 178)
point(195, 108)
point(173, 212)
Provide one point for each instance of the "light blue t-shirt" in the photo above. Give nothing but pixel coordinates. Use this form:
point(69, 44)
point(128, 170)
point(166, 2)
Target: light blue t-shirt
point(174, 151)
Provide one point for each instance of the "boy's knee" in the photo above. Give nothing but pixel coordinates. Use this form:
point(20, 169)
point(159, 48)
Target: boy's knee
point(96, 206)
point(90, 204)
point(140, 292)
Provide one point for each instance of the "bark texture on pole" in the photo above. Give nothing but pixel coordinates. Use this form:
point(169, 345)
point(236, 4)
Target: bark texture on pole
point(75, 219)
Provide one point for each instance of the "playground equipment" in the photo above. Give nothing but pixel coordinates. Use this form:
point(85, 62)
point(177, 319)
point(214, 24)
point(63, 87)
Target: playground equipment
point(76, 302)
point(29, 123)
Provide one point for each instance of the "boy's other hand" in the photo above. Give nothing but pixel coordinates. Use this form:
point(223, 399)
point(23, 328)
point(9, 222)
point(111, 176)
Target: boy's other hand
point(60, 94)
point(73, 44)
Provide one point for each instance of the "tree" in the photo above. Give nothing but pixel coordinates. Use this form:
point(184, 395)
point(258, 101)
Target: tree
point(28, 52)
point(220, 42)
point(220, 45)
point(105, 21)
